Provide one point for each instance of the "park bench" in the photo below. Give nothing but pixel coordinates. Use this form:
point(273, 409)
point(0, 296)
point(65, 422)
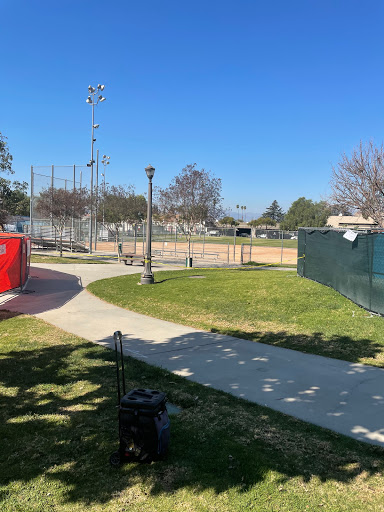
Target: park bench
point(129, 257)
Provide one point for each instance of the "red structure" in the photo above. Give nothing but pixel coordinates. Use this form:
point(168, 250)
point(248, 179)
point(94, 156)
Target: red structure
point(15, 252)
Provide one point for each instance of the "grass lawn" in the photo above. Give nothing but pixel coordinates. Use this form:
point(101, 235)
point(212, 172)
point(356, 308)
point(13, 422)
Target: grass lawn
point(260, 264)
point(58, 426)
point(273, 307)
point(44, 258)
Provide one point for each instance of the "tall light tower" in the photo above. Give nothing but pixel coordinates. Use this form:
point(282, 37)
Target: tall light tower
point(93, 91)
point(105, 161)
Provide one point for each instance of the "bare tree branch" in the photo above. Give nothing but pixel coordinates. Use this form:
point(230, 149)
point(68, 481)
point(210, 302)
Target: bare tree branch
point(358, 182)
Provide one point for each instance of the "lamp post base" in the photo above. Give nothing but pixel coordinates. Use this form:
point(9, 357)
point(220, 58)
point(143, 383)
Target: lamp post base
point(147, 278)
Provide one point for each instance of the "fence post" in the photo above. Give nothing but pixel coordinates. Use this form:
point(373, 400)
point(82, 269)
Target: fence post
point(234, 245)
point(242, 254)
point(135, 238)
point(143, 225)
point(31, 213)
point(228, 254)
point(203, 241)
point(250, 251)
point(192, 248)
point(175, 240)
point(282, 245)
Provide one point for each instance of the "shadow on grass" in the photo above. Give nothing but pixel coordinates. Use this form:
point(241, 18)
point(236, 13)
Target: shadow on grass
point(337, 347)
point(59, 419)
point(159, 281)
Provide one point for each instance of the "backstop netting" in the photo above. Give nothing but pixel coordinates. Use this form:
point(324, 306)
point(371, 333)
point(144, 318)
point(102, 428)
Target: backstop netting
point(353, 268)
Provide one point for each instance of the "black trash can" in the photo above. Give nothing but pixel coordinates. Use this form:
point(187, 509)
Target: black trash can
point(188, 262)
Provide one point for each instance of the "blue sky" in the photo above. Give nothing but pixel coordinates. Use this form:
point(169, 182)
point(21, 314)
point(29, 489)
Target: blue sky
point(266, 95)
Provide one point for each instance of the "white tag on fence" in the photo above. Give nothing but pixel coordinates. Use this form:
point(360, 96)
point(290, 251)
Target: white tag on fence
point(3, 249)
point(350, 235)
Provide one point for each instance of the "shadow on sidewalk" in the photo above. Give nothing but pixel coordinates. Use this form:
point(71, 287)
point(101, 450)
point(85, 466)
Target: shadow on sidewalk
point(59, 424)
point(46, 290)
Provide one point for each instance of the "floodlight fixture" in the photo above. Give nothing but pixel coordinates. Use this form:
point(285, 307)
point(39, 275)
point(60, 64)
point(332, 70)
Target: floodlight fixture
point(88, 100)
point(101, 98)
point(96, 125)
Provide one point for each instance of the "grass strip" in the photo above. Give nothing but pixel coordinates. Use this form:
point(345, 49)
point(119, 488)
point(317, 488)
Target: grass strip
point(274, 307)
point(43, 258)
point(58, 426)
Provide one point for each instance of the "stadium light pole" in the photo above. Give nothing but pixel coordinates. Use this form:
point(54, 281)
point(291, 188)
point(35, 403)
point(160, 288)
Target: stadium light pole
point(105, 161)
point(93, 91)
point(147, 275)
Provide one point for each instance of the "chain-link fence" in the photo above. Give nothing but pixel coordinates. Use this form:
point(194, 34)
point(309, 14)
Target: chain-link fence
point(212, 245)
point(216, 244)
point(43, 231)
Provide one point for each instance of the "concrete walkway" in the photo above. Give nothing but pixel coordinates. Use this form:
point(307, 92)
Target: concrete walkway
point(344, 397)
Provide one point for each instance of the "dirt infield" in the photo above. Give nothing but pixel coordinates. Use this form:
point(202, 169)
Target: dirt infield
point(219, 253)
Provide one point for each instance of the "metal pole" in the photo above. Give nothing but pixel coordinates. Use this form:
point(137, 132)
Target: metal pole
point(21, 262)
point(104, 194)
point(72, 220)
point(147, 275)
point(52, 183)
point(31, 205)
point(228, 254)
point(143, 231)
point(175, 240)
point(91, 192)
point(97, 194)
point(203, 241)
point(234, 244)
point(282, 244)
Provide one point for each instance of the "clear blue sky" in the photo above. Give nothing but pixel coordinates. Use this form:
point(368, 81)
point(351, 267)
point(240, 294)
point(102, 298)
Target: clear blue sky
point(265, 94)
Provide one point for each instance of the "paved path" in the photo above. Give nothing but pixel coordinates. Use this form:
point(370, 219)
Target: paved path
point(345, 397)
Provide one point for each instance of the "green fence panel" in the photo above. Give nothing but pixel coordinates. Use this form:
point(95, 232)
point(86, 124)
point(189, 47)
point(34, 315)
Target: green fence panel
point(355, 269)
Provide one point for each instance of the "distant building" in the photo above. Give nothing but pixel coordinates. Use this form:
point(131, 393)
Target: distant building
point(351, 222)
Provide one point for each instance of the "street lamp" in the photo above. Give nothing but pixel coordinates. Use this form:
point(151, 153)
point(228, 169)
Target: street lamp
point(93, 91)
point(105, 161)
point(147, 275)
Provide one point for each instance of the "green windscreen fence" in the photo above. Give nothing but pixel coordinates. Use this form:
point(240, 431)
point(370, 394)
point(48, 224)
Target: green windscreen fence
point(353, 268)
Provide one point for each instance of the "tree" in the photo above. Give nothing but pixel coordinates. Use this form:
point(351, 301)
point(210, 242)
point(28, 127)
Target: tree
point(120, 204)
point(5, 156)
point(193, 197)
point(13, 199)
point(262, 221)
point(358, 182)
point(274, 212)
point(228, 221)
point(61, 205)
point(304, 212)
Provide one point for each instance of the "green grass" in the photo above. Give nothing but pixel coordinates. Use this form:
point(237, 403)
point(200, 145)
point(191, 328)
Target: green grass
point(273, 307)
point(42, 258)
point(260, 264)
point(58, 426)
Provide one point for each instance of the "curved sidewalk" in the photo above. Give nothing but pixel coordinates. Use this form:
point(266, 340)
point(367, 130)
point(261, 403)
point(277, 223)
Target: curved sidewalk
point(344, 397)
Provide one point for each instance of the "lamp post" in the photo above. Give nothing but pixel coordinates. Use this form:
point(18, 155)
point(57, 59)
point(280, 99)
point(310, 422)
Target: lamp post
point(105, 162)
point(91, 101)
point(147, 275)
